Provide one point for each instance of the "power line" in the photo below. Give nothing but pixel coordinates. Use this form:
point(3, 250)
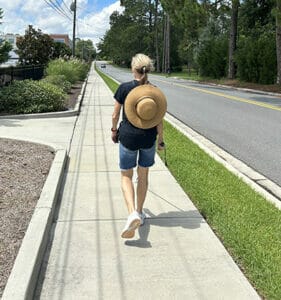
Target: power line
point(58, 6)
point(57, 9)
point(64, 4)
point(50, 4)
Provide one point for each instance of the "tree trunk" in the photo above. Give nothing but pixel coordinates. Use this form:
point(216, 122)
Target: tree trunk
point(166, 46)
point(278, 40)
point(151, 27)
point(233, 39)
point(156, 36)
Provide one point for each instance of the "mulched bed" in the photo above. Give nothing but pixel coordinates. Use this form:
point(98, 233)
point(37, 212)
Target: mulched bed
point(73, 95)
point(24, 168)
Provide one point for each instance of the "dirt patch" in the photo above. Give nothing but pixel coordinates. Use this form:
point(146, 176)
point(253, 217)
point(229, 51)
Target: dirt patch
point(73, 95)
point(24, 168)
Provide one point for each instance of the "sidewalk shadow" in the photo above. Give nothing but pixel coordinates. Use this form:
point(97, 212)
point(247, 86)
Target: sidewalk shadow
point(167, 219)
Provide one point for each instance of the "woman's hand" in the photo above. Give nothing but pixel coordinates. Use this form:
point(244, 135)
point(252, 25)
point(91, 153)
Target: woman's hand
point(114, 136)
point(161, 145)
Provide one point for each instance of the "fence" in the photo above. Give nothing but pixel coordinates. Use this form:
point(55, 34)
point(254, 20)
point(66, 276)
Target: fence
point(8, 74)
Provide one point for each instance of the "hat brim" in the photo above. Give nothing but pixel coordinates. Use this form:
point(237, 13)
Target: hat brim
point(140, 92)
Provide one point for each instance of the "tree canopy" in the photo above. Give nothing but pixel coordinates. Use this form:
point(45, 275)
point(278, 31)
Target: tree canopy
point(5, 47)
point(215, 38)
point(61, 50)
point(35, 47)
point(85, 50)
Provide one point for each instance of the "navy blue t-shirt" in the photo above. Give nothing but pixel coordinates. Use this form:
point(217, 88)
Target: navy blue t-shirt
point(130, 136)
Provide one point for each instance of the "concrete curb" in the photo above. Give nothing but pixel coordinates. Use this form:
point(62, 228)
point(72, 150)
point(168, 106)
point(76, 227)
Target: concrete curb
point(229, 87)
point(23, 278)
point(59, 114)
point(268, 189)
point(243, 89)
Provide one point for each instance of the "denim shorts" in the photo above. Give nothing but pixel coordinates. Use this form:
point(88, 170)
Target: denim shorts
point(128, 158)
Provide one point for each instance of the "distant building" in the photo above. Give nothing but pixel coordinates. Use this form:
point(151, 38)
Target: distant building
point(61, 38)
point(12, 39)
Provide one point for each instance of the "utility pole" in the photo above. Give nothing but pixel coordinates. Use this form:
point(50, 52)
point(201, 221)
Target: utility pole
point(73, 8)
point(166, 45)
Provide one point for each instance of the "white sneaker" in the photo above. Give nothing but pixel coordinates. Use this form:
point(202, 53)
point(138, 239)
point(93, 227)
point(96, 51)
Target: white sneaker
point(133, 222)
point(142, 218)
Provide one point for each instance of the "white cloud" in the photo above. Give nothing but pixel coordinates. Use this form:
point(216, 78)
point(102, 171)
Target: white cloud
point(18, 15)
point(31, 7)
point(94, 26)
point(8, 5)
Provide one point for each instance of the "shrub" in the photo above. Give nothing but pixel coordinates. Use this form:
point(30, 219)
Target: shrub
point(58, 80)
point(256, 58)
point(212, 57)
point(80, 67)
point(30, 96)
point(73, 69)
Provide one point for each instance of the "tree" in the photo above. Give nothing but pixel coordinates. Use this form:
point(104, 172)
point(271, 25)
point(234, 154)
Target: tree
point(35, 47)
point(5, 47)
point(232, 39)
point(257, 44)
point(278, 40)
point(188, 17)
point(116, 43)
point(157, 58)
point(211, 51)
point(166, 61)
point(61, 50)
point(128, 33)
point(85, 50)
point(137, 29)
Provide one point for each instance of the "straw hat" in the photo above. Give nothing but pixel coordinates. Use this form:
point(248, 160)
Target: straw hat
point(145, 106)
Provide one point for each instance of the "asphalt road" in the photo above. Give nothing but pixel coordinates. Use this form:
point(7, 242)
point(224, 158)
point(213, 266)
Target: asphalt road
point(245, 124)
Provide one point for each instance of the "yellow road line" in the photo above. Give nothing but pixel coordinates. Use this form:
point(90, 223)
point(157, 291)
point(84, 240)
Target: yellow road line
point(223, 95)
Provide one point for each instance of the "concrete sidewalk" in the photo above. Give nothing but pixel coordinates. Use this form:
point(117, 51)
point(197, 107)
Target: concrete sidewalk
point(175, 255)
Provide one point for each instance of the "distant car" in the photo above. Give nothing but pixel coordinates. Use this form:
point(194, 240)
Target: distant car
point(103, 66)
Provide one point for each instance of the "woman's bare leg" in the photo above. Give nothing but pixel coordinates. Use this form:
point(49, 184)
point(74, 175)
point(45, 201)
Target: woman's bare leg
point(142, 186)
point(128, 189)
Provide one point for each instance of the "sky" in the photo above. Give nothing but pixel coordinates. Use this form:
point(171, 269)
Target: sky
point(92, 17)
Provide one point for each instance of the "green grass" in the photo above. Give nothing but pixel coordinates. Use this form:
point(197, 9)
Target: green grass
point(247, 224)
point(111, 83)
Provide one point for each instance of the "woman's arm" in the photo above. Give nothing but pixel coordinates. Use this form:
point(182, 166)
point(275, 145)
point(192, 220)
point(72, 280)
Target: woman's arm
point(115, 120)
point(161, 145)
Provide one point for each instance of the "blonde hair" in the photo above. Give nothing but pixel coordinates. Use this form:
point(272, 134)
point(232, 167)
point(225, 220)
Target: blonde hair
point(142, 64)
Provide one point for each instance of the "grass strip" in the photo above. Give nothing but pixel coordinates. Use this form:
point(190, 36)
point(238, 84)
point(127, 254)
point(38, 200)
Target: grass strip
point(247, 224)
point(110, 83)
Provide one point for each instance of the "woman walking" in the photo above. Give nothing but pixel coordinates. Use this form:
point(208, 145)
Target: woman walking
point(144, 106)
